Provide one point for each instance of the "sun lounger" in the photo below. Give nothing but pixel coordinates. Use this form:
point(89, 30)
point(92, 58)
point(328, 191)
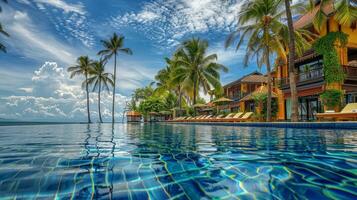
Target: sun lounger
point(348, 113)
point(186, 119)
point(203, 119)
point(221, 118)
point(199, 118)
point(235, 117)
point(246, 117)
point(214, 118)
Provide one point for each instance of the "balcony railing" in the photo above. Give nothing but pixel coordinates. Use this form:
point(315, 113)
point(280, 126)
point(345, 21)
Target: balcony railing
point(302, 78)
point(351, 72)
point(314, 75)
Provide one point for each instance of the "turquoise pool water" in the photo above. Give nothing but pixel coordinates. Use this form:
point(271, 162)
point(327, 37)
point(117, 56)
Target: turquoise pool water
point(176, 162)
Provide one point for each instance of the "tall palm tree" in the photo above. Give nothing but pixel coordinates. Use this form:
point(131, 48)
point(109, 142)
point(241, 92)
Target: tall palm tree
point(196, 69)
point(83, 66)
point(259, 21)
point(3, 32)
point(296, 42)
point(100, 80)
point(113, 47)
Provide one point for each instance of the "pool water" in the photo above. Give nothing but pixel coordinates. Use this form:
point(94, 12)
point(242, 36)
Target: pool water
point(167, 161)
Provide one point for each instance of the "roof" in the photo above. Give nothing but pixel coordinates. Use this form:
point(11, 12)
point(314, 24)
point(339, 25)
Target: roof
point(222, 100)
point(255, 77)
point(133, 113)
point(199, 105)
point(308, 18)
point(261, 90)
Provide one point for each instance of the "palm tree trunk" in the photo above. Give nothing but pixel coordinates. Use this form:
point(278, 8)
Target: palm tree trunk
point(194, 92)
point(99, 112)
point(180, 98)
point(292, 78)
point(115, 77)
point(269, 84)
point(88, 113)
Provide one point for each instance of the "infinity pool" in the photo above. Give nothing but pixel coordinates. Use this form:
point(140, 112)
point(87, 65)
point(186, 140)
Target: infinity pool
point(176, 162)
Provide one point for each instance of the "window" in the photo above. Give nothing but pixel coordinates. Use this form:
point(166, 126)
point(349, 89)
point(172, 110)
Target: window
point(352, 54)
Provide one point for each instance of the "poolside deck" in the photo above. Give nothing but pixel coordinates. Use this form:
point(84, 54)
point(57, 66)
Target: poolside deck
point(313, 125)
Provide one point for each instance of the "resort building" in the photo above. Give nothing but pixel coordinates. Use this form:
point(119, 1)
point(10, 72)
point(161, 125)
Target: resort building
point(241, 88)
point(133, 116)
point(310, 78)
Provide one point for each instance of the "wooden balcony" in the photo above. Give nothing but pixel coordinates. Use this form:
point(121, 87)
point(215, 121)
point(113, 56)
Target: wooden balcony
point(315, 76)
point(306, 78)
point(351, 72)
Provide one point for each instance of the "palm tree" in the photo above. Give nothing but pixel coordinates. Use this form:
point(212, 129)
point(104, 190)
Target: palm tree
point(3, 32)
point(291, 67)
point(113, 47)
point(259, 20)
point(100, 80)
point(345, 12)
point(195, 69)
point(164, 80)
point(83, 66)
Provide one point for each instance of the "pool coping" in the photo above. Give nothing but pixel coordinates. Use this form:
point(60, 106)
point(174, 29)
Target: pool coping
point(313, 125)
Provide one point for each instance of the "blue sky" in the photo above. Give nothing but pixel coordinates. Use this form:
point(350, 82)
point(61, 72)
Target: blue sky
point(48, 35)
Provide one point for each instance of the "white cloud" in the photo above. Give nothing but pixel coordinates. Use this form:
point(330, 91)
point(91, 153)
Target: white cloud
point(226, 56)
point(53, 97)
point(168, 21)
point(31, 41)
point(62, 5)
point(69, 20)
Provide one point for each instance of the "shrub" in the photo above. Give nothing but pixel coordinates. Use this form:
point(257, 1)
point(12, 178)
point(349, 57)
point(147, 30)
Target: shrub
point(331, 98)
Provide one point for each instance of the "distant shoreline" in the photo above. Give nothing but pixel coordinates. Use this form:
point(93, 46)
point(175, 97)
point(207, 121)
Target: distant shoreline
point(20, 123)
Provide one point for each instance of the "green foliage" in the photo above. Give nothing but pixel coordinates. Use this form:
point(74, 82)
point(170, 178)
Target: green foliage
point(261, 99)
point(196, 69)
point(170, 101)
point(326, 47)
point(3, 32)
point(143, 93)
point(331, 98)
point(190, 111)
point(152, 104)
point(200, 100)
point(132, 105)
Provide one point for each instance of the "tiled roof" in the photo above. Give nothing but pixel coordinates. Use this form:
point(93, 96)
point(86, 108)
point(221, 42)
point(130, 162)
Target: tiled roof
point(260, 90)
point(133, 113)
point(309, 17)
point(254, 77)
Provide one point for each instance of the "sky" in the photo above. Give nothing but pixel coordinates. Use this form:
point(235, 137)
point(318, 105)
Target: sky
point(46, 37)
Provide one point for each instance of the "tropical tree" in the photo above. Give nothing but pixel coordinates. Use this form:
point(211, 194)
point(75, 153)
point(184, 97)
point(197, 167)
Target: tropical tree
point(259, 20)
point(100, 80)
point(143, 93)
point(295, 43)
point(164, 78)
point(112, 48)
point(3, 32)
point(291, 63)
point(195, 69)
point(83, 67)
point(165, 82)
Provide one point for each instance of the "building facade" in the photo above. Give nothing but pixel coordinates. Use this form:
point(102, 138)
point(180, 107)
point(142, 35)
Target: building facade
point(310, 75)
point(242, 87)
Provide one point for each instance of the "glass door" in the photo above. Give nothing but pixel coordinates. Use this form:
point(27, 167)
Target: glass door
point(308, 107)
